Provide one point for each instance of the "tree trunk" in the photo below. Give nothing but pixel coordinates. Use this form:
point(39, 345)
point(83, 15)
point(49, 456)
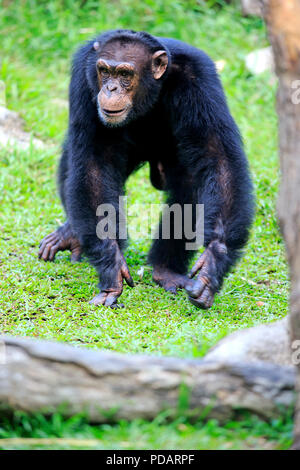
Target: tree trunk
point(283, 23)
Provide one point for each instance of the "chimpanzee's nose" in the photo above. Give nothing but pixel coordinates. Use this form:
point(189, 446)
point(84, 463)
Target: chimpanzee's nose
point(112, 87)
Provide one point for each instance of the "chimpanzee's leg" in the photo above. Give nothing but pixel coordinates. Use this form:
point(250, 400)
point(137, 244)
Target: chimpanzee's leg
point(169, 256)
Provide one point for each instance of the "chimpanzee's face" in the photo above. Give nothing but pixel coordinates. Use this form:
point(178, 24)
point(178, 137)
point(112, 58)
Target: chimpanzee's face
point(121, 68)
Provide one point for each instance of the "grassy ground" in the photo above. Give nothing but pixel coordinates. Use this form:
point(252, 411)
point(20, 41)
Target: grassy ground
point(250, 433)
point(49, 300)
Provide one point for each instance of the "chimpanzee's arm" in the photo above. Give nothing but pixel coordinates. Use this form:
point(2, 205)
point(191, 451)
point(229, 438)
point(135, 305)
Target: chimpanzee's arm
point(225, 190)
point(86, 188)
point(210, 147)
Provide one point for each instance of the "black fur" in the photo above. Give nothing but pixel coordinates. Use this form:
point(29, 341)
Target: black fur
point(181, 120)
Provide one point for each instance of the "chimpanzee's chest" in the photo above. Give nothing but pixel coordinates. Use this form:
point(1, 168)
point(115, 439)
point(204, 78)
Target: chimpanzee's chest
point(151, 140)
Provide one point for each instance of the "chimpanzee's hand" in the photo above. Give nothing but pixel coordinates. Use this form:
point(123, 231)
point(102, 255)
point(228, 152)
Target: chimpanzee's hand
point(60, 240)
point(202, 291)
point(112, 283)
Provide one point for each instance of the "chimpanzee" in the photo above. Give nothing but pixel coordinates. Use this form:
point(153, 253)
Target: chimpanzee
point(136, 98)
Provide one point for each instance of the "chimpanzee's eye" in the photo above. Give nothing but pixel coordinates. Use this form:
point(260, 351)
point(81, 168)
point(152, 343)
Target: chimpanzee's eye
point(125, 74)
point(103, 71)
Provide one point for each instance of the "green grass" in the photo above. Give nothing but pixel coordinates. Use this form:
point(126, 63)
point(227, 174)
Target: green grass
point(250, 433)
point(50, 300)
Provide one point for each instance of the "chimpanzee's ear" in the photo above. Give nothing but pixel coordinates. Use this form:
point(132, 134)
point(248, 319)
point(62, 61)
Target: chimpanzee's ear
point(159, 64)
point(96, 45)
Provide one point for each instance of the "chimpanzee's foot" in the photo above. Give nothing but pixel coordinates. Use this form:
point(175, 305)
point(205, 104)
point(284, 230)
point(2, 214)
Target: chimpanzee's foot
point(60, 240)
point(169, 280)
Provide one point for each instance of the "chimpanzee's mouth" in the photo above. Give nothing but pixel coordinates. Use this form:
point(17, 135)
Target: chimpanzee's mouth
point(110, 112)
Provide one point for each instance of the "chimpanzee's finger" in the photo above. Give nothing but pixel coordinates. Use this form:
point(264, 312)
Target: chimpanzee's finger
point(115, 306)
point(45, 253)
point(196, 289)
point(186, 282)
point(49, 238)
point(111, 299)
point(126, 274)
point(76, 256)
point(99, 299)
point(42, 247)
point(53, 250)
point(171, 289)
point(197, 266)
point(207, 298)
point(205, 301)
point(52, 240)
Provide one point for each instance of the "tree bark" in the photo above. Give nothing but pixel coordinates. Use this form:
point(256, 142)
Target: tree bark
point(39, 376)
point(283, 23)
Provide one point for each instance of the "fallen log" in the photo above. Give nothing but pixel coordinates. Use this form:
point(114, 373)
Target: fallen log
point(41, 376)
